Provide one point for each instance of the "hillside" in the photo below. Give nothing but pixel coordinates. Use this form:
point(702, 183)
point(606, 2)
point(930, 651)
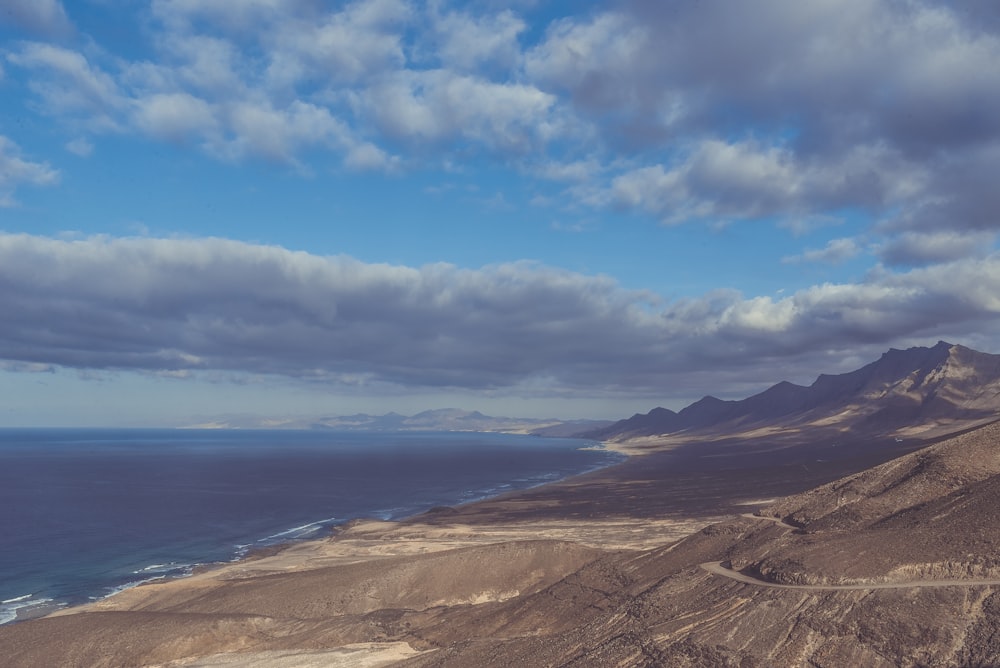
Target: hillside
point(894, 566)
point(919, 392)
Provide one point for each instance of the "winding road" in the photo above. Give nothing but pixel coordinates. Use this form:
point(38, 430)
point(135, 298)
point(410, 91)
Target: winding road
point(717, 568)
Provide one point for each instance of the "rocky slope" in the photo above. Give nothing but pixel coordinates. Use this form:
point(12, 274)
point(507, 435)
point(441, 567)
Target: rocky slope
point(906, 525)
point(919, 391)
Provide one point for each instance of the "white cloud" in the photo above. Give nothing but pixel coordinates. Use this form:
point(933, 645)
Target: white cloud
point(208, 65)
point(243, 15)
point(73, 86)
point(278, 134)
point(364, 156)
point(920, 248)
point(469, 42)
point(360, 41)
point(835, 252)
point(440, 105)
point(700, 111)
point(597, 60)
point(215, 92)
point(212, 304)
point(718, 180)
point(175, 116)
point(80, 146)
point(173, 304)
point(787, 109)
point(16, 171)
point(45, 17)
point(577, 171)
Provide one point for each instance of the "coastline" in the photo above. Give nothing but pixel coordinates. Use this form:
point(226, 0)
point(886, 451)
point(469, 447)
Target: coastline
point(380, 592)
point(273, 546)
point(477, 525)
point(652, 496)
point(611, 507)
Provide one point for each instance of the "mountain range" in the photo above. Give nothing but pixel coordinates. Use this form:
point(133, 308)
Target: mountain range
point(915, 393)
point(442, 419)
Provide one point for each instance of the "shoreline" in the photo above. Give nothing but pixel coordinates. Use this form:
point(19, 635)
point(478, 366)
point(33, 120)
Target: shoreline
point(543, 509)
point(644, 499)
point(248, 553)
point(497, 569)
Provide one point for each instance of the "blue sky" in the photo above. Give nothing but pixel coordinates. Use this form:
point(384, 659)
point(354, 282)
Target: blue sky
point(572, 209)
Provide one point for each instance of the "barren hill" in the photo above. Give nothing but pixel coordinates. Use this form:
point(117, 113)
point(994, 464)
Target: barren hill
point(896, 566)
point(919, 391)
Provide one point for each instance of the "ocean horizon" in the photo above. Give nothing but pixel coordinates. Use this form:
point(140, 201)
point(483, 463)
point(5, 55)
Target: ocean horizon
point(85, 513)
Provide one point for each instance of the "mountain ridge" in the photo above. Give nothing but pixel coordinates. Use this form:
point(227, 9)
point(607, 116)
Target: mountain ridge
point(440, 419)
point(904, 390)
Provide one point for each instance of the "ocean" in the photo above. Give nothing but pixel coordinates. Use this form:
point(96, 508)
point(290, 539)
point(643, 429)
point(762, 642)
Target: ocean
point(87, 512)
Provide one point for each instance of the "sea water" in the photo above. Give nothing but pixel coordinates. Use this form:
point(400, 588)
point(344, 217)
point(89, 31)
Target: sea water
point(86, 512)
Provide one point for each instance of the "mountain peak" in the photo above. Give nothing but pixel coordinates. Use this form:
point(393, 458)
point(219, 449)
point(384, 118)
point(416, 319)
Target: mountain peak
point(938, 348)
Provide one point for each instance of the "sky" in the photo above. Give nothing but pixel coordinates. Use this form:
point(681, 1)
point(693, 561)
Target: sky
point(573, 209)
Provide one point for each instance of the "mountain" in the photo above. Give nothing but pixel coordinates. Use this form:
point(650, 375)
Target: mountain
point(443, 419)
point(455, 419)
point(893, 566)
point(919, 391)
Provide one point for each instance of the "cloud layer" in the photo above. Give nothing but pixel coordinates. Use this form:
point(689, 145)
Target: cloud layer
point(198, 305)
point(686, 111)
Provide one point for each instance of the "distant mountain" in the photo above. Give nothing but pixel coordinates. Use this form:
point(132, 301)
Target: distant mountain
point(905, 391)
point(444, 419)
point(455, 419)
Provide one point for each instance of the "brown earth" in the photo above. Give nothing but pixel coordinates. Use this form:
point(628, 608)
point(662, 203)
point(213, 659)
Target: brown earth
point(605, 570)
